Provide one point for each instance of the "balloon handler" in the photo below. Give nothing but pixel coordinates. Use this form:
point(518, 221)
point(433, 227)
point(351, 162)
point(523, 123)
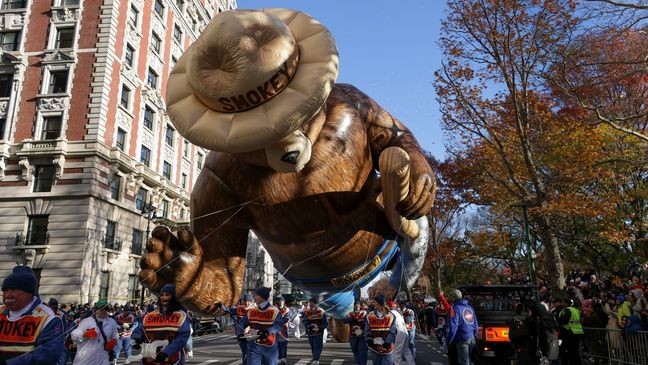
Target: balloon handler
point(335, 188)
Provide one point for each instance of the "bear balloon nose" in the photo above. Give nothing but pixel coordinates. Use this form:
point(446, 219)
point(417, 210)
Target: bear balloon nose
point(290, 157)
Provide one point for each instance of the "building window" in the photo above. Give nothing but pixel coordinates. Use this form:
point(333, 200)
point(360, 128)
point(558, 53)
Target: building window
point(58, 81)
point(9, 41)
point(64, 38)
point(104, 285)
point(37, 230)
point(199, 160)
point(145, 156)
point(177, 34)
point(136, 248)
point(183, 180)
point(149, 117)
point(166, 170)
point(158, 8)
point(165, 208)
point(169, 134)
point(183, 212)
point(172, 63)
point(69, 2)
point(140, 199)
point(115, 186)
point(156, 43)
point(3, 125)
point(124, 101)
point(185, 148)
point(152, 79)
point(180, 4)
point(6, 82)
point(13, 4)
point(51, 127)
point(44, 178)
point(129, 55)
point(133, 17)
point(109, 238)
point(133, 293)
point(120, 140)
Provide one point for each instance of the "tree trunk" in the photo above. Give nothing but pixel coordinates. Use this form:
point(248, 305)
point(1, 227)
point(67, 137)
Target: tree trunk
point(552, 261)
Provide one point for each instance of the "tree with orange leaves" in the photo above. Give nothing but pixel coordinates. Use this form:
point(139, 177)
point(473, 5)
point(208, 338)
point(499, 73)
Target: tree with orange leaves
point(514, 147)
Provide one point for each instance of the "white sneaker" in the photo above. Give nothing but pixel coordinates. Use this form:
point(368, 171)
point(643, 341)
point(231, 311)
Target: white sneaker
point(190, 354)
point(315, 362)
point(127, 361)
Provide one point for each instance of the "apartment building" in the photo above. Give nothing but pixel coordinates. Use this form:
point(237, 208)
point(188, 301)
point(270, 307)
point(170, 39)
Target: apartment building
point(89, 161)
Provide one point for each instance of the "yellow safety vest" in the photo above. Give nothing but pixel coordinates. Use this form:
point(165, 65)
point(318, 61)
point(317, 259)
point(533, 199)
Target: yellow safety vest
point(574, 324)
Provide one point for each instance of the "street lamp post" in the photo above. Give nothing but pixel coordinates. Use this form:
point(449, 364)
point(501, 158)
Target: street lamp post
point(149, 210)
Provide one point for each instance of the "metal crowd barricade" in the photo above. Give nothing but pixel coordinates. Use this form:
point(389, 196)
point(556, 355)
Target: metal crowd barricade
point(614, 347)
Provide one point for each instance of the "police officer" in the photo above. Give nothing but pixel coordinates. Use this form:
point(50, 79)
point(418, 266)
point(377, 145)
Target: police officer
point(42, 339)
point(571, 331)
point(165, 331)
point(380, 327)
point(462, 328)
point(357, 338)
point(315, 322)
point(264, 323)
point(127, 323)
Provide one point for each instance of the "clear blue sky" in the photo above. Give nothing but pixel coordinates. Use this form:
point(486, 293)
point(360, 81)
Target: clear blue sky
point(388, 50)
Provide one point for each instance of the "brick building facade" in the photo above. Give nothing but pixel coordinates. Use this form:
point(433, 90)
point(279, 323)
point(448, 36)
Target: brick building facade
point(85, 143)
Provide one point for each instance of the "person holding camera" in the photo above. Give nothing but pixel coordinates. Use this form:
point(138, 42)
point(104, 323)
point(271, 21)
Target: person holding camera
point(164, 332)
point(96, 337)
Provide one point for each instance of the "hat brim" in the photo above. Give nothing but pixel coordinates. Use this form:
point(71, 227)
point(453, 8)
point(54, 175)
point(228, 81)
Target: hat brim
point(275, 119)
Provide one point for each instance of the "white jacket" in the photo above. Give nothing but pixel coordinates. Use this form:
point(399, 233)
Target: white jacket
point(91, 351)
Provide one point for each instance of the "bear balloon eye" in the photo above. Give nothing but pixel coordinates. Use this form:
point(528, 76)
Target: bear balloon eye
point(290, 157)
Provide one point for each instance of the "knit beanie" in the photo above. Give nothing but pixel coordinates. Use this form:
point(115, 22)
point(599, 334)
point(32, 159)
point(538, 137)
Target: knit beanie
point(380, 300)
point(263, 292)
point(21, 278)
point(168, 288)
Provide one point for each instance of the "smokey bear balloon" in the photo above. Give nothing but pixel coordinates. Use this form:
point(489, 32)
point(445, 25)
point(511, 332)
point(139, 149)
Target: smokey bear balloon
point(335, 188)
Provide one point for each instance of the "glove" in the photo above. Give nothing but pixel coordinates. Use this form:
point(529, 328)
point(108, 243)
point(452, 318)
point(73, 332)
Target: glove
point(161, 357)
point(90, 333)
point(110, 345)
point(263, 334)
point(240, 338)
point(370, 341)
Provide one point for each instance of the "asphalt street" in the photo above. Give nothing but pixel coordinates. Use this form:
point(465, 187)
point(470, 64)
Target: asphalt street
point(221, 348)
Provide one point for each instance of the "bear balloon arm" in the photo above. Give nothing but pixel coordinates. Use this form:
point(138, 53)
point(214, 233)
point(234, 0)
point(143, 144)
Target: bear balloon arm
point(202, 283)
point(384, 131)
point(220, 223)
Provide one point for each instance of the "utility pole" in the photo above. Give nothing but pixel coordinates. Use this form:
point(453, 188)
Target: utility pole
point(150, 211)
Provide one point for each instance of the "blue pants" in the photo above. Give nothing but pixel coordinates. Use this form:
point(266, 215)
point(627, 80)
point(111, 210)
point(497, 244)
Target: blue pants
point(243, 346)
point(124, 343)
point(464, 351)
point(261, 355)
point(379, 359)
point(317, 345)
point(359, 348)
point(283, 349)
